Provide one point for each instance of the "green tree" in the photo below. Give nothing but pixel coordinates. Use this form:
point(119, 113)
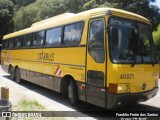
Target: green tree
point(6, 14)
point(98, 3)
point(42, 9)
point(74, 6)
point(20, 3)
point(156, 36)
point(23, 18)
point(141, 7)
point(37, 11)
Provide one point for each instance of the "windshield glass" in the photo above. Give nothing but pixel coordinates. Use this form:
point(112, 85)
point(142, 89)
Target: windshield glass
point(134, 42)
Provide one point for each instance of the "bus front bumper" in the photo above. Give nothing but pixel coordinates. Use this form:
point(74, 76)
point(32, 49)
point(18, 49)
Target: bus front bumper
point(117, 100)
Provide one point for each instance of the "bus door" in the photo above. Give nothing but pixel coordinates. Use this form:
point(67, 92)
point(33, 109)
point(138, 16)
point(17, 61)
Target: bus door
point(96, 63)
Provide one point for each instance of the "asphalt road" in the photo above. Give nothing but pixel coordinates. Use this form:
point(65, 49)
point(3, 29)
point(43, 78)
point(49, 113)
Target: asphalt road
point(54, 101)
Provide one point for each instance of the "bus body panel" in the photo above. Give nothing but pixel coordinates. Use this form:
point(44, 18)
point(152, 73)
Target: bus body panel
point(138, 76)
point(32, 61)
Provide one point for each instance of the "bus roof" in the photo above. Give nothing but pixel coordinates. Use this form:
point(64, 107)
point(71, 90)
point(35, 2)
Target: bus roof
point(67, 18)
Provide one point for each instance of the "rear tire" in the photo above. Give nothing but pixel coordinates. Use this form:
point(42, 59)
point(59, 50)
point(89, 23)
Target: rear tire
point(72, 93)
point(18, 76)
point(11, 72)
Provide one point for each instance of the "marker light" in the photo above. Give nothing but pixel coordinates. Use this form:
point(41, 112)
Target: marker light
point(126, 88)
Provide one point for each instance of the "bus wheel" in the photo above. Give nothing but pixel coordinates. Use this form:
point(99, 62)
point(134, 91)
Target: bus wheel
point(72, 93)
point(11, 72)
point(18, 76)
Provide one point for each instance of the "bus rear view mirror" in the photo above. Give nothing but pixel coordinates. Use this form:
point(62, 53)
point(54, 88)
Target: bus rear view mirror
point(110, 25)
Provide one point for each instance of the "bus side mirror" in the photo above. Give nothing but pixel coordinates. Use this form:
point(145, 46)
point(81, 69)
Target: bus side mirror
point(107, 28)
point(113, 33)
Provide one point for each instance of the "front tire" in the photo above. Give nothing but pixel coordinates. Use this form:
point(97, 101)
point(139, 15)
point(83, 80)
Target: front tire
point(72, 93)
point(18, 76)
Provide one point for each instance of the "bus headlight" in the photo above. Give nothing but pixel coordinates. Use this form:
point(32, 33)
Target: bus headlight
point(119, 88)
point(125, 88)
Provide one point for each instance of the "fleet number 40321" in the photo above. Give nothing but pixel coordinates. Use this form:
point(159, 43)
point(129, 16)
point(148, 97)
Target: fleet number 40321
point(127, 76)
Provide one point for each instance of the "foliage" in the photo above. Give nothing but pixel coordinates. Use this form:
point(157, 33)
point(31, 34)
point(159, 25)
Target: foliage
point(37, 11)
point(141, 7)
point(30, 105)
point(27, 12)
point(74, 5)
point(6, 14)
point(156, 36)
point(89, 5)
point(98, 3)
point(42, 9)
point(20, 3)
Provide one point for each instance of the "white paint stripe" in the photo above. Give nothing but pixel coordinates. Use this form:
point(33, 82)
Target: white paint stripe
point(58, 71)
point(103, 90)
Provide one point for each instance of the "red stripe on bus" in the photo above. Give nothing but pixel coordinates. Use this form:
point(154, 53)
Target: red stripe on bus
point(56, 70)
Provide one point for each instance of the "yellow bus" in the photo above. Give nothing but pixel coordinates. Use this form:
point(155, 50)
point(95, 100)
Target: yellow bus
point(103, 56)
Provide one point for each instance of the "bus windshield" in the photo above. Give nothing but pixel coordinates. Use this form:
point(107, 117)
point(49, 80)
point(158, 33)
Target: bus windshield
point(133, 44)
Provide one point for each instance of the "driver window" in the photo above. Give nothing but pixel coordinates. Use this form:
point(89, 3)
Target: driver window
point(96, 40)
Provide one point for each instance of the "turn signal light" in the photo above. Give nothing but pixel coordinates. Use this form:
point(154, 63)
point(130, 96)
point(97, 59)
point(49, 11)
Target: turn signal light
point(112, 88)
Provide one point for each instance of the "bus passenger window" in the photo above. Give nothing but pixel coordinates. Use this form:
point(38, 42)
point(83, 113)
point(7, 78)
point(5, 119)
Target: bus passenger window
point(38, 39)
point(96, 40)
point(5, 44)
point(53, 37)
point(11, 43)
point(27, 40)
point(73, 33)
point(18, 42)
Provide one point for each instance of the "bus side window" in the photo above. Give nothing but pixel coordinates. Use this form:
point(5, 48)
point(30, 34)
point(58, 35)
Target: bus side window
point(18, 42)
point(53, 37)
point(38, 39)
point(27, 40)
point(73, 33)
point(5, 44)
point(11, 43)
